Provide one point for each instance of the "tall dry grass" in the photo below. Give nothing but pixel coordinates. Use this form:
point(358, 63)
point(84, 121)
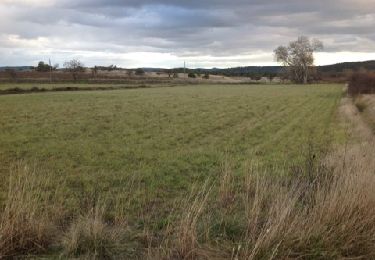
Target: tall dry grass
point(89, 235)
point(327, 212)
point(181, 237)
point(29, 214)
point(34, 220)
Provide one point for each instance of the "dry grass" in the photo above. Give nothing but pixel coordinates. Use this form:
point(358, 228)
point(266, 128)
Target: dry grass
point(360, 103)
point(369, 110)
point(33, 220)
point(181, 237)
point(269, 208)
point(334, 218)
point(90, 236)
point(28, 217)
point(226, 184)
point(326, 213)
point(331, 217)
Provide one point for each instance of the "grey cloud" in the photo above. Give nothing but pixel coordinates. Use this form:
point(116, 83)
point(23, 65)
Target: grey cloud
point(195, 28)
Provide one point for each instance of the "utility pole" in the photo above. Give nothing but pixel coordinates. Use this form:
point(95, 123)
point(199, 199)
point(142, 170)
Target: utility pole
point(50, 70)
point(184, 69)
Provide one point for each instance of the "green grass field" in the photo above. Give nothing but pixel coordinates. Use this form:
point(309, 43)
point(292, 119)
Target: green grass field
point(170, 137)
point(165, 139)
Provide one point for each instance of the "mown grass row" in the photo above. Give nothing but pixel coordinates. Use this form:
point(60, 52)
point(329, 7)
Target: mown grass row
point(168, 173)
point(163, 128)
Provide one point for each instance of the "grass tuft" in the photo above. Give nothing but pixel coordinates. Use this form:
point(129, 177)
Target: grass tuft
point(360, 104)
point(27, 220)
point(89, 235)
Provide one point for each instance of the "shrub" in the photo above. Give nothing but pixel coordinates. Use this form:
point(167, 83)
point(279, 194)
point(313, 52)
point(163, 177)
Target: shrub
point(361, 83)
point(43, 67)
point(360, 104)
point(139, 72)
point(191, 75)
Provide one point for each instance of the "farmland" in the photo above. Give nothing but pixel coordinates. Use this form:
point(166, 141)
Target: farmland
point(169, 136)
point(181, 172)
point(187, 130)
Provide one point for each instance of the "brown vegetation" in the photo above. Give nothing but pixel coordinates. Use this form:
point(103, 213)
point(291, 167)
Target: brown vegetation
point(361, 83)
point(89, 235)
point(27, 220)
point(118, 76)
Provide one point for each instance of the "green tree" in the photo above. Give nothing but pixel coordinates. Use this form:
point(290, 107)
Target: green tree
point(191, 75)
point(139, 72)
point(43, 67)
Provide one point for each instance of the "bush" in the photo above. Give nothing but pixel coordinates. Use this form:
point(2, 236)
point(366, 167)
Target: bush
point(191, 75)
point(206, 76)
point(361, 83)
point(43, 67)
point(139, 72)
point(360, 104)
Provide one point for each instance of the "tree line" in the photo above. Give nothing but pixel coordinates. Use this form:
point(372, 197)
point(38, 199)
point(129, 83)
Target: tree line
point(297, 59)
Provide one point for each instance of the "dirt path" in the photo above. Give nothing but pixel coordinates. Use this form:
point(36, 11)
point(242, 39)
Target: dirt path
point(350, 113)
point(358, 153)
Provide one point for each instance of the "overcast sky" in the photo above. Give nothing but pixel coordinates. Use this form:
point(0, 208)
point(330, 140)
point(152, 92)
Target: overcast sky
point(164, 33)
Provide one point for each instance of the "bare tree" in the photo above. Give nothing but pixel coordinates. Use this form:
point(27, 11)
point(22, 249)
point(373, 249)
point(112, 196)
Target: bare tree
point(74, 67)
point(12, 73)
point(94, 71)
point(169, 72)
point(129, 73)
point(298, 57)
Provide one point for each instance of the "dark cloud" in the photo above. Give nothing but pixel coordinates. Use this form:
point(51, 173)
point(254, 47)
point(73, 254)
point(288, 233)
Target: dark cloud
point(181, 28)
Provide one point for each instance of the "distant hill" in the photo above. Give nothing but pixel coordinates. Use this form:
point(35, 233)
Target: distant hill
point(250, 71)
point(17, 68)
point(267, 70)
point(247, 71)
point(340, 67)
